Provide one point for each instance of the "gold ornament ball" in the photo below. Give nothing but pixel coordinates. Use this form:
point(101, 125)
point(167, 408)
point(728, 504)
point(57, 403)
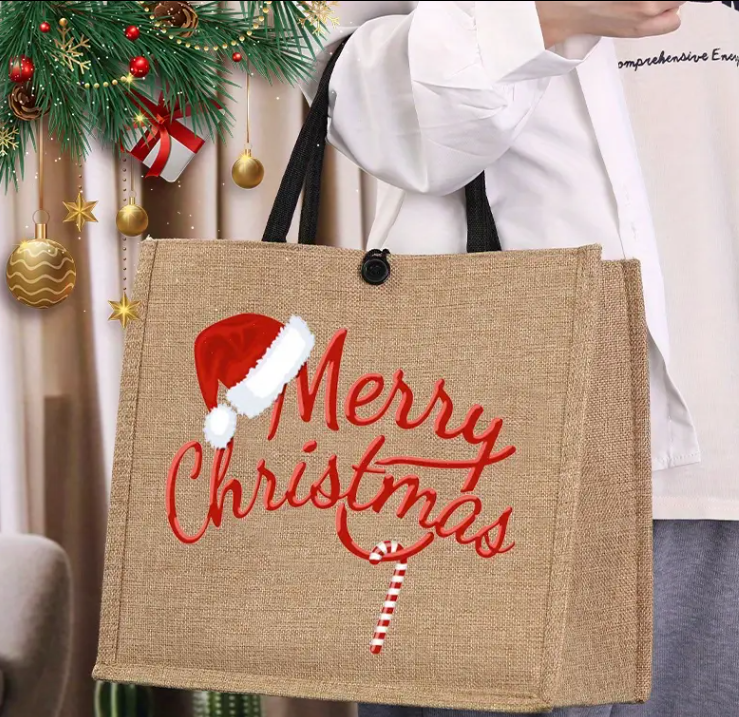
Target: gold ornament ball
point(248, 171)
point(40, 272)
point(132, 219)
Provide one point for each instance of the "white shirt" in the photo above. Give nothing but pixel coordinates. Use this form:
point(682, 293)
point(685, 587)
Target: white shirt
point(428, 98)
point(683, 91)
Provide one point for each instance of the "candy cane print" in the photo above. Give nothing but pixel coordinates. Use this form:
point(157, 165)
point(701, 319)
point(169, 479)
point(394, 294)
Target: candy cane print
point(380, 551)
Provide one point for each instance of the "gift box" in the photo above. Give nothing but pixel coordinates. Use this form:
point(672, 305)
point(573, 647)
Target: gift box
point(166, 140)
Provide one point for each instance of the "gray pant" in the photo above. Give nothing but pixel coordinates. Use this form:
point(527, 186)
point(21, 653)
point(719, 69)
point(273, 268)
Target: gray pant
point(696, 630)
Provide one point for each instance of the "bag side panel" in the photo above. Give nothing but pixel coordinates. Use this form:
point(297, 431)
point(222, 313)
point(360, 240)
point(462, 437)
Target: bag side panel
point(123, 460)
point(607, 655)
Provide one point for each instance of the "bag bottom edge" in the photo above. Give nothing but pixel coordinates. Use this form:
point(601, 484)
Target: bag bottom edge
point(213, 680)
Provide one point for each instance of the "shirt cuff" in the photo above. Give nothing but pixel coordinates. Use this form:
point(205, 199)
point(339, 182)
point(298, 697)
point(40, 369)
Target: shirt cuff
point(512, 46)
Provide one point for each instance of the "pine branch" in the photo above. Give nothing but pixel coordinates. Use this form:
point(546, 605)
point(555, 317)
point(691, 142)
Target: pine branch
point(81, 75)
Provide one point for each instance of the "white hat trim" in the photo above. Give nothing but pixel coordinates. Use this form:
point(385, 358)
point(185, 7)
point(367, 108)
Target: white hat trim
point(220, 426)
point(279, 365)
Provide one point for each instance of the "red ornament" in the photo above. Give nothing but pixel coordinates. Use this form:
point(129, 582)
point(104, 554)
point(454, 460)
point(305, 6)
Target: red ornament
point(44, 26)
point(139, 66)
point(236, 57)
point(20, 69)
point(132, 33)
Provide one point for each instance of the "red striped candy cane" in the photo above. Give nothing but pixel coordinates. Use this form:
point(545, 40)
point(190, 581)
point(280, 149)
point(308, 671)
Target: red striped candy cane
point(388, 608)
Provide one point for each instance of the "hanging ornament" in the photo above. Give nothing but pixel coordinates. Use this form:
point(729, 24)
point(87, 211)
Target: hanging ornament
point(247, 171)
point(132, 219)
point(139, 66)
point(236, 57)
point(40, 272)
point(151, 133)
point(132, 33)
point(176, 14)
point(22, 103)
point(124, 310)
point(44, 26)
point(79, 211)
point(20, 69)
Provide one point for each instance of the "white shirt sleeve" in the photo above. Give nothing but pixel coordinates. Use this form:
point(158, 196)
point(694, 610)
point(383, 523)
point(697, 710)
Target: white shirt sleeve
point(427, 100)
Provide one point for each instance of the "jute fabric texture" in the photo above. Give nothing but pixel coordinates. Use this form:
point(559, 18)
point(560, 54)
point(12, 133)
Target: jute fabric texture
point(552, 343)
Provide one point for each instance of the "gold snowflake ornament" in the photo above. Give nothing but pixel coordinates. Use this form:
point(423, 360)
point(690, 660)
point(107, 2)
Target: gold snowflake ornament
point(70, 51)
point(319, 15)
point(8, 139)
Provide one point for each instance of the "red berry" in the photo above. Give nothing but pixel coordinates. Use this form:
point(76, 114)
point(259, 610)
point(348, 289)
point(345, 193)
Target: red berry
point(44, 26)
point(236, 57)
point(132, 32)
point(139, 66)
point(20, 69)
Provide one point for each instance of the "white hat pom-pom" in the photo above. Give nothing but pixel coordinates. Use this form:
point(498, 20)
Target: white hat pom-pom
point(220, 426)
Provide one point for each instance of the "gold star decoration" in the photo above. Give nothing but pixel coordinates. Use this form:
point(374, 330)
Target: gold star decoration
point(124, 310)
point(80, 211)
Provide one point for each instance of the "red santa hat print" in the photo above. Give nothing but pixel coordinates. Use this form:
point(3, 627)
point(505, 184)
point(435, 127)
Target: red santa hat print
point(254, 357)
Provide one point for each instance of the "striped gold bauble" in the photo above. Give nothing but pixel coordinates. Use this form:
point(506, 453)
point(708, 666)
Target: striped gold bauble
point(40, 272)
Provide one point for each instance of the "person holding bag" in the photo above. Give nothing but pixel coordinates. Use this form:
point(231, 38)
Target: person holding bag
point(428, 95)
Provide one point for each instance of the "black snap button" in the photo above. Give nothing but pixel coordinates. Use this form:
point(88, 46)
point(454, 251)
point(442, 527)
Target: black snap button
point(375, 266)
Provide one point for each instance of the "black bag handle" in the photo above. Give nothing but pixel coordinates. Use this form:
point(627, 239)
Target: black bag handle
point(305, 168)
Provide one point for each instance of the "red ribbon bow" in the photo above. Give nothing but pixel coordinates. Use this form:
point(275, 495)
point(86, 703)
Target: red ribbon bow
point(163, 127)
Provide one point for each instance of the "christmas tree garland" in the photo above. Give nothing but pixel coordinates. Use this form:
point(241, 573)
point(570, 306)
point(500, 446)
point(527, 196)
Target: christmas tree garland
point(105, 70)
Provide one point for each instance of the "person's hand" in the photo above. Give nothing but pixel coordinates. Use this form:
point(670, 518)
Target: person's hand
point(560, 20)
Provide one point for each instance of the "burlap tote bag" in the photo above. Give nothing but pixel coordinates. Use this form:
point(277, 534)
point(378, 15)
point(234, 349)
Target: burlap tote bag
point(417, 480)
